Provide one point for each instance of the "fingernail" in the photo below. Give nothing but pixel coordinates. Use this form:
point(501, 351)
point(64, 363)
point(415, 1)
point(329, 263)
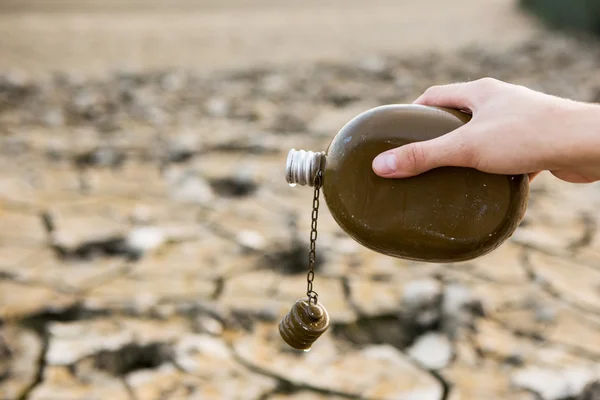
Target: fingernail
point(385, 163)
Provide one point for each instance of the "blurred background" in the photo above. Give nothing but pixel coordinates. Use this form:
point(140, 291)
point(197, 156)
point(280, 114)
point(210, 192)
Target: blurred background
point(149, 244)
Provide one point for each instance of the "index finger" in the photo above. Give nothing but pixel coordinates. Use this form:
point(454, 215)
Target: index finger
point(461, 96)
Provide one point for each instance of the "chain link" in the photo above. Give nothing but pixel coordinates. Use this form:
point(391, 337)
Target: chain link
point(312, 295)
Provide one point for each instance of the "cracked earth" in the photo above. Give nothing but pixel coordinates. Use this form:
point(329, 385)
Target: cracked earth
point(150, 245)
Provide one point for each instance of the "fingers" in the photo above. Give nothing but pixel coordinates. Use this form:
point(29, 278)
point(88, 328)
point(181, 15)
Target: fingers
point(460, 96)
point(418, 157)
point(447, 150)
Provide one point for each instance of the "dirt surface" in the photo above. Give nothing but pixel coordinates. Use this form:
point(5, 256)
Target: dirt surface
point(95, 36)
point(150, 245)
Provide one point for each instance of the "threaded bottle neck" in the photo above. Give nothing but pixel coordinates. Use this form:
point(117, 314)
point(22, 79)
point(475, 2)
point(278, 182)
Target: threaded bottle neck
point(302, 167)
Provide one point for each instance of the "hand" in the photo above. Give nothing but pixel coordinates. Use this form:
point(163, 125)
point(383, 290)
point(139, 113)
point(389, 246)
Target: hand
point(514, 130)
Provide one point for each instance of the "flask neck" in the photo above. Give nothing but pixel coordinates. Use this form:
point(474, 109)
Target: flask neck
point(302, 167)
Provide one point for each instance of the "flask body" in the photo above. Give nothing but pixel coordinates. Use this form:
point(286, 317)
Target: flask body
point(448, 214)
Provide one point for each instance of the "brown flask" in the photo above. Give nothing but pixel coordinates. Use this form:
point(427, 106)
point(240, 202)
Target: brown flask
point(448, 214)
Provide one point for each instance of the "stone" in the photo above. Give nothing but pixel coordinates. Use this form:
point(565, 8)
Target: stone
point(53, 118)
point(189, 188)
point(217, 107)
point(251, 239)
point(432, 351)
point(459, 309)
point(207, 324)
point(421, 300)
point(145, 238)
point(555, 384)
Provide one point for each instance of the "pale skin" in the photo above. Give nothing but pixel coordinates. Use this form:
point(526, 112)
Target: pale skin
point(514, 130)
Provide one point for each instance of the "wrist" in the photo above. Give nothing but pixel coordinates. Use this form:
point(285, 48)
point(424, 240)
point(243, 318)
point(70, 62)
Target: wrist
point(588, 133)
point(580, 136)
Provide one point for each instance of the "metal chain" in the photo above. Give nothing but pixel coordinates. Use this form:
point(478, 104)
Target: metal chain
point(312, 295)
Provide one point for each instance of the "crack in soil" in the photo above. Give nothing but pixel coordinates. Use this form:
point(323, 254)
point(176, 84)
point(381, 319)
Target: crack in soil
point(294, 386)
point(551, 290)
point(41, 364)
point(538, 338)
point(590, 228)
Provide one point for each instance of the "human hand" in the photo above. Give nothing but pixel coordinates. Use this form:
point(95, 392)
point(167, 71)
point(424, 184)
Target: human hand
point(514, 130)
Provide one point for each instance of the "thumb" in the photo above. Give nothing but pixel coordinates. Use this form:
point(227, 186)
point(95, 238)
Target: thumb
point(418, 157)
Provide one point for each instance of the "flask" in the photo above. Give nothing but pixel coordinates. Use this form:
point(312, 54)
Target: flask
point(447, 214)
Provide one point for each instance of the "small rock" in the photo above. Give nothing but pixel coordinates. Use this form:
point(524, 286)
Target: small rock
point(545, 314)
point(190, 188)
point(432, 350)
point(141, 215)
point(274, 83)
point(251, 239)
point(554, 384)
point(165, 311)
point(459, 307)
point(53, 118)
point(421, 292)
point(206, 324)
point(84, 99)
point(456, 298)
point(218, 107)
point(183, 147)
point(374, 64)
point(172, 81)
point(145, 238)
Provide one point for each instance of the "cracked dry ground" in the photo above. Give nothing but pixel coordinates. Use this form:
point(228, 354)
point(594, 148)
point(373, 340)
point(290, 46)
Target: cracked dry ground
point(149, 245)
